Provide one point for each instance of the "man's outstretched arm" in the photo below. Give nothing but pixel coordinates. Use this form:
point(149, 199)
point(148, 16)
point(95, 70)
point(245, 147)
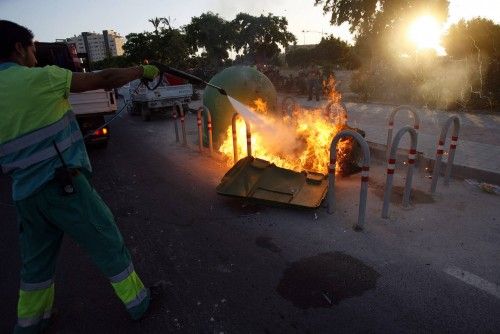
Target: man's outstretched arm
point(110, 78)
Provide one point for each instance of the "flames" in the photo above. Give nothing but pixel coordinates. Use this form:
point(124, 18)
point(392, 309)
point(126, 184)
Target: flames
point(299, 141)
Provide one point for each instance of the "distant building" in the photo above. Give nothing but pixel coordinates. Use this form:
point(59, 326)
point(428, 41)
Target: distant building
point(98, 46)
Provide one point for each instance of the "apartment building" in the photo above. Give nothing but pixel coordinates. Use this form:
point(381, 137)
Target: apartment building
point(98, 46)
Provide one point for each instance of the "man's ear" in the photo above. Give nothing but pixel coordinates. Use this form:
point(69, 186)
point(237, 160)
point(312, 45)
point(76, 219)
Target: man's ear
point(20, 49)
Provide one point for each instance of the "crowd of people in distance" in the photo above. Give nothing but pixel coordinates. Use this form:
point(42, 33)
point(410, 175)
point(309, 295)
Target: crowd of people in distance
point(308, 81)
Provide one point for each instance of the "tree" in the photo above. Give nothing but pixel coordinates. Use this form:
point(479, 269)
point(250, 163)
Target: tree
point(118, 61)
point(375, 16)
point(299, 57)
point(166, 45)
point(138, 47)
point(332, 50)
point(477, 44)
point(478, 35)
point(260, 38)
point(381, 24)
point(213, 34)
point(329, 52)
point(156, 23)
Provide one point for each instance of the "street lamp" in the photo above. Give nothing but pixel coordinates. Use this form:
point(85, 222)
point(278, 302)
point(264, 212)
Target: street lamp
point(313, 31)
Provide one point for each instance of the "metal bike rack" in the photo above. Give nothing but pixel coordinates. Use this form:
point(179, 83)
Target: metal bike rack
point(287, 100)
point(174, 115)
point(364, 174)
point(183, 125)
point(440, 150)
point(209, 127)
point(391, 165)
point(390, 125)
point(340, 113)
point(235, 137)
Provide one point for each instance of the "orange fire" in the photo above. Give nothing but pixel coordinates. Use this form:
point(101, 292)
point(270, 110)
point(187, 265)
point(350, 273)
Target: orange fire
point(300, 141)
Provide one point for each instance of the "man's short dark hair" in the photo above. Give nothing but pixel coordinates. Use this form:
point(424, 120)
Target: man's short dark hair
point(10, 34)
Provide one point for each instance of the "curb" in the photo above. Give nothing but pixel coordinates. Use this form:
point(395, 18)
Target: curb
point(425, 164)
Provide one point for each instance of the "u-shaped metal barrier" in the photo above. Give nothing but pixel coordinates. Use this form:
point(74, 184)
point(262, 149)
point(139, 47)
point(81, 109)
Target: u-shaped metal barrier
point(390, 124)
point(285, 105)
point(391, 165)
point(174, 116)
point(440, 150)
point(235, 137)
point(339, 114)
point(364, 174)
point(209, 128)
point(183, 125)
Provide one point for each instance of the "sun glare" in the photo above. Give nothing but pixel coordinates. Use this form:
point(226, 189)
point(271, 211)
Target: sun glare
point(426, 32)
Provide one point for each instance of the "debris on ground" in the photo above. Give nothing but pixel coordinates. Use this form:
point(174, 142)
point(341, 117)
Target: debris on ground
point(486, 187)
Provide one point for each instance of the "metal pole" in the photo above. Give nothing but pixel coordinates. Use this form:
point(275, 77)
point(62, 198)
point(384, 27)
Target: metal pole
point(249, 139)
point(440, 150)
point(174, 115)
point(200, 131)
point(391, 165)
point(340, 114)
point(437, 164)
point(390, 124)
point(235, 138)
point(453, 147)
point(209, 128)
point(364, 174)
point(183, 124)
point(409, 176)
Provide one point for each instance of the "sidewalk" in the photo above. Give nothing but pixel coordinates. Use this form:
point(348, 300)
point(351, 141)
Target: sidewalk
point(478, 150)
point(479, 139)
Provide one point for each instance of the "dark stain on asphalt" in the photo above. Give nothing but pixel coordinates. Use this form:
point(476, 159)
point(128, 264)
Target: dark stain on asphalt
point(244, 208)
point(266, 242)
point(325, 279)
point(416, 196)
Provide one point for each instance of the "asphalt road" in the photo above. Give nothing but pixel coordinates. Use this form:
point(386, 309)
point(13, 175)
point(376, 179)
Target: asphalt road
point(236, 267)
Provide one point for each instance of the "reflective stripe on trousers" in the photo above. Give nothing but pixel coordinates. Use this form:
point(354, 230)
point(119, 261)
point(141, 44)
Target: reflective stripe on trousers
point(35, 302)
point(129, 287)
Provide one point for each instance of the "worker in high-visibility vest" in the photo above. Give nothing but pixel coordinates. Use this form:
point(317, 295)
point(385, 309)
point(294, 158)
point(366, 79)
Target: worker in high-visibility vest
point(42, 149)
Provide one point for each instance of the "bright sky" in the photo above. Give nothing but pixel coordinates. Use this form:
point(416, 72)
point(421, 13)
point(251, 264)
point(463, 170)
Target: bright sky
point(51, 19)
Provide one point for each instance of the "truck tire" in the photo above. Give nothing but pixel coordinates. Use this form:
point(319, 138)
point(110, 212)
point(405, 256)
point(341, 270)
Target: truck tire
point(145, 113)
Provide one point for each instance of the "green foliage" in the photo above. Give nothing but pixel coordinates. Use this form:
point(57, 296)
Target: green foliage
point(112, 62)
point(330, 51)
point(376, 16)
point(299, 57)
point(138, 47)
point(333, 50)
point(426, 79)
point(477, 43)
point(381, 24)
point(213, 34)
point(165, 44)
point(259, 38)
point(467, 38)
point(469, 77)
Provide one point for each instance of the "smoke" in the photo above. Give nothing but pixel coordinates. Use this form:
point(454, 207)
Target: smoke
point(450, 83)
point(280, 138)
